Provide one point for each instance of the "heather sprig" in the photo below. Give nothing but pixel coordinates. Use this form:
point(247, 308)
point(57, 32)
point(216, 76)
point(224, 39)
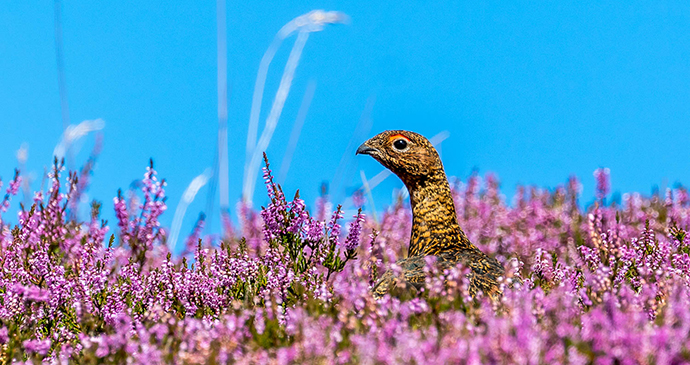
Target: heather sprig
point(138, 221)
point(12, 190)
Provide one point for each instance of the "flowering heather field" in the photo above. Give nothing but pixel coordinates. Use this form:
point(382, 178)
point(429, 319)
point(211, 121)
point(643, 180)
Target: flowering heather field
point(606, 285)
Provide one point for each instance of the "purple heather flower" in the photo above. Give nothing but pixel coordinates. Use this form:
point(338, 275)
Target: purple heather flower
point(323, 207)
point(358, 198)
point(333, 226)
point(602, 175)
point(15, 184)
point(352, 239)
point(12, 190)
point(40, 347)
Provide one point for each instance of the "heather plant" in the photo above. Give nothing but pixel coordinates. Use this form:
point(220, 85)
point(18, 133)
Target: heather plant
point(605, 284)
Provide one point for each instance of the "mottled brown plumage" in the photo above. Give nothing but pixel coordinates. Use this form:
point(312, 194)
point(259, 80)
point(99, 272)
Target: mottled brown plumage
point(435, 228)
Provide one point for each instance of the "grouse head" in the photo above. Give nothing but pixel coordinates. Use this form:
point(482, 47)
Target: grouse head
point(407, 154)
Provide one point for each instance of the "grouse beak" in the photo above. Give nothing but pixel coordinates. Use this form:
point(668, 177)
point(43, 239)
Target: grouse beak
point(366, 150)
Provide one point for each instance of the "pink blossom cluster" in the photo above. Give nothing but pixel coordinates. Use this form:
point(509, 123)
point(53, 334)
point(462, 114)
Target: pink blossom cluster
point(605, 284)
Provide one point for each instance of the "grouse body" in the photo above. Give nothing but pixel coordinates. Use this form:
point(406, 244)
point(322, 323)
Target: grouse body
point(435, 228)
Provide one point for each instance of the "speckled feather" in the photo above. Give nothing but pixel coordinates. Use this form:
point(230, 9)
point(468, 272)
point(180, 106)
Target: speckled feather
point(435, 228)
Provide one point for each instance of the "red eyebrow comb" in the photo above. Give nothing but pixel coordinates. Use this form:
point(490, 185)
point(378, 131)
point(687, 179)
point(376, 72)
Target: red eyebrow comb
point(398, 135)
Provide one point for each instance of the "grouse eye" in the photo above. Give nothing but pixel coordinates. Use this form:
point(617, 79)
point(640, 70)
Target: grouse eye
point(400, 144)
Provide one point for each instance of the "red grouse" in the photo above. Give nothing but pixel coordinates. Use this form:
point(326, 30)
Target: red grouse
point(435, 228)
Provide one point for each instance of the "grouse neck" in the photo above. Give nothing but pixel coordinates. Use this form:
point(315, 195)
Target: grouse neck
point(435, 227)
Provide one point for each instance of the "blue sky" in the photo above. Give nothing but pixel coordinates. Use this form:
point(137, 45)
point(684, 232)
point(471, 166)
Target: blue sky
point(534, 92)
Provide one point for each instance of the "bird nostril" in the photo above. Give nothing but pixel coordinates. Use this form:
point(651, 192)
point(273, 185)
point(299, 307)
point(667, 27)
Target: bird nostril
point(365, 150)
